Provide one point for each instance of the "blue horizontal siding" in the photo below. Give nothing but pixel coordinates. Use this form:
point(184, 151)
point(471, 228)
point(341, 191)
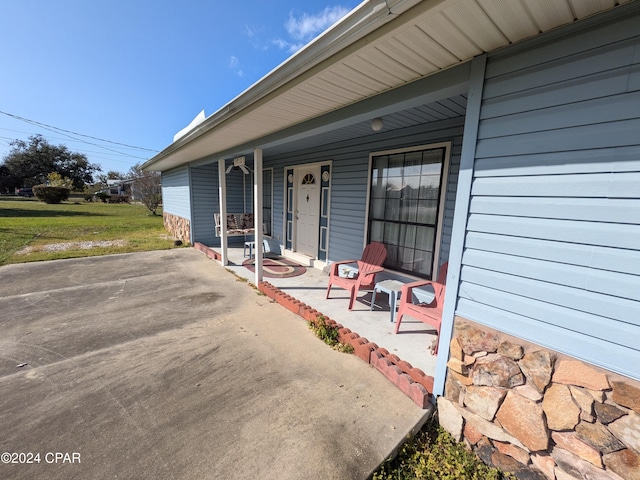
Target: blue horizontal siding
point(611, 108)
point(617, 134)
point(581, 322)
point(552, 252)
point(605, 185)
point(601, 84)
point(561, 252)
point(204, 181)
point(620, 285)
point(573, 299)
point(609, 160)
point(583, 65)
point(609, 210)
point(176, 192)
point(587, 233)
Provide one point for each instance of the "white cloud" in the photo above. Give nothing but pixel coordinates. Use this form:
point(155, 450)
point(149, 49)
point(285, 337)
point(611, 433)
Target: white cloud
point(305, 27)
point(234, 63)
point(291, 47)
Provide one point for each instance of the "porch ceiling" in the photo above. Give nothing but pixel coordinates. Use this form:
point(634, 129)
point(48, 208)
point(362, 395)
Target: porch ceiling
point(377, 48)
point(452, 107)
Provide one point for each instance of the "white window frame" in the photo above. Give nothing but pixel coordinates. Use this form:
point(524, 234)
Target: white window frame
point(443, 193)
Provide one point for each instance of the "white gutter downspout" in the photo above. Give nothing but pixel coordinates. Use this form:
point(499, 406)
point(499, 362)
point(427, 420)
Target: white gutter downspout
point(222, 188)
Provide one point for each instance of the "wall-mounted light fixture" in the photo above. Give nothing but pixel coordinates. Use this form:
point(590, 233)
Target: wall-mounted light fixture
point(376, 124)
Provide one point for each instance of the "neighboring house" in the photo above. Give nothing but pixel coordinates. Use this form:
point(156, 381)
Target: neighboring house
point(128, 187)
point(114, 187)
point(502, 137)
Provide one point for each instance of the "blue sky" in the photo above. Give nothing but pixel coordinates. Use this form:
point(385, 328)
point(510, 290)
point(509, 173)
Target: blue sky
point(136, 72)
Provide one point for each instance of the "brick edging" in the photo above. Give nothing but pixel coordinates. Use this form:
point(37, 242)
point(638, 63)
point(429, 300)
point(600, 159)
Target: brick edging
point(413, 382)
point(209, 252)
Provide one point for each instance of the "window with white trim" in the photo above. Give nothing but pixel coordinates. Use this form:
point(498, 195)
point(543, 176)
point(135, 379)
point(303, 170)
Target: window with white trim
point(404, 207)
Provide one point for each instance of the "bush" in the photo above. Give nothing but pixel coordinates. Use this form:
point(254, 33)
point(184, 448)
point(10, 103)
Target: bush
point(103, 196)
point(51, 194)
point(434, 455)
point(119, 199)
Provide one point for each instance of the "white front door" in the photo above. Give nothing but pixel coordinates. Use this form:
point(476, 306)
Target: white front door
point(307, 209)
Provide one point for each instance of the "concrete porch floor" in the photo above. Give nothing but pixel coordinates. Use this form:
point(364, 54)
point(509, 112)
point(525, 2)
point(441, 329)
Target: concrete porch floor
point(411, 344)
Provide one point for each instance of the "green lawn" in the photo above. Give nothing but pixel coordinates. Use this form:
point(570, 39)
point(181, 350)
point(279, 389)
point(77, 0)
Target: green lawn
point(34, 231)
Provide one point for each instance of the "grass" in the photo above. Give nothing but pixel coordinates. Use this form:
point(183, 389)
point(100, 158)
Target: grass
point(433, 454)
point(27, 222)
point(329, 335)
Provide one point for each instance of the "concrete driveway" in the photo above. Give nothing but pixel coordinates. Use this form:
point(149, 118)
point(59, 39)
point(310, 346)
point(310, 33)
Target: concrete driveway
point(162, 365)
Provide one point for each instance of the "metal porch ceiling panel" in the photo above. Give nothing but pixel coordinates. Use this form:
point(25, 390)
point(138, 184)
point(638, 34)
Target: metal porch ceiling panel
point(429, 37)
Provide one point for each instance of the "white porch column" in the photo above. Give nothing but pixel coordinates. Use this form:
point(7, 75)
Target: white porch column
point(257, 210)
point(222, 189)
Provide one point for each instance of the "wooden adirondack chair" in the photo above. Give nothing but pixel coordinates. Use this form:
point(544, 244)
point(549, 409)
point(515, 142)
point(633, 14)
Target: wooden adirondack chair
point(414, 302)
point(371, 262)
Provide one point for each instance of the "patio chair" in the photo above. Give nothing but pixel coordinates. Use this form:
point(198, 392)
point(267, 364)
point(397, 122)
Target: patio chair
point(424, 305)
point(371, 262)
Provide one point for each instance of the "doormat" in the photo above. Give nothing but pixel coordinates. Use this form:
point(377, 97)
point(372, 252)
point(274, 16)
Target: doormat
point(276, 267)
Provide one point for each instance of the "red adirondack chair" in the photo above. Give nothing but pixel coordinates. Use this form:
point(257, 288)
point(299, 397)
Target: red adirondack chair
point(429, 313)
point(371, 262)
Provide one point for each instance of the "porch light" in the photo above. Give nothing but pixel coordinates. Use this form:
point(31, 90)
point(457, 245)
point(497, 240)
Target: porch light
point(376, 124)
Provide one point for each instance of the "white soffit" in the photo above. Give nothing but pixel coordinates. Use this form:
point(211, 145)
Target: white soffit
point(431, 36)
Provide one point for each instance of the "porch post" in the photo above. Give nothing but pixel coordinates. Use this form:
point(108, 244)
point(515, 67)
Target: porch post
point(257, 211)
point(222, 189)
point(461, 212)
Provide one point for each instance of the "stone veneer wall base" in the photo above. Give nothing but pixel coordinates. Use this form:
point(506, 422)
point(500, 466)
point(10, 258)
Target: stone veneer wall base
point(537, 413)
point(179, 227)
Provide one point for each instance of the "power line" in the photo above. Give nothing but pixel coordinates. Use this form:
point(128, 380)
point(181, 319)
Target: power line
point(52, 138)
point(49, 137)
point(44, 125)
point(7, 142)
point(62, 132)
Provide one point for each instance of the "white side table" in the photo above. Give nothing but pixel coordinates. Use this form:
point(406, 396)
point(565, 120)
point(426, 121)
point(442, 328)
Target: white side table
point(391, 288)
point(250, 246)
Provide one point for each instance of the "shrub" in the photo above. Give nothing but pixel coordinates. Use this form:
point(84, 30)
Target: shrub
point(119, 199)
point(103, 196)
point(434, 455)
point(51, 194)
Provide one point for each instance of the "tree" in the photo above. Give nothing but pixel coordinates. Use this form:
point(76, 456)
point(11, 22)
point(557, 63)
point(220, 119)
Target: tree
point(54, 179)
point(146, 187)
point(111, 175)
point(8, 181)
point(31, 161)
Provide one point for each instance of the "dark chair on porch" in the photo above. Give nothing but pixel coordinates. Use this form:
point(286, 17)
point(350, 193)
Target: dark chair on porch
point(423, 304)
point(371, 262)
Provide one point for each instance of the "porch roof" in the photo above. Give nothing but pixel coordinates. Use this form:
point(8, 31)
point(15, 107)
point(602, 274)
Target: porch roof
point(381, 45)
